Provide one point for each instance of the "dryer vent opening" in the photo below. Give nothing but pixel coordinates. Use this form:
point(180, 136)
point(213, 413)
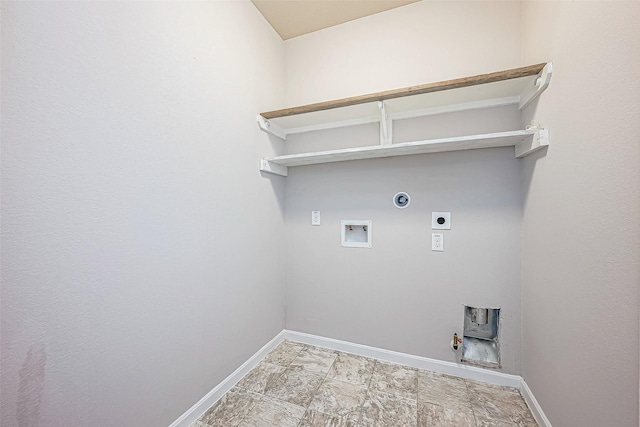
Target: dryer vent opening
point(481, 344)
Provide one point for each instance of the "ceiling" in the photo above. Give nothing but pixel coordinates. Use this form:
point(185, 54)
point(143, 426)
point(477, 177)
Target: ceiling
point(293, 18)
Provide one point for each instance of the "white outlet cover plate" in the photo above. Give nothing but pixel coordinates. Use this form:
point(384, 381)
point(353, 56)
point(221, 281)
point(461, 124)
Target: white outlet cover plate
point(437, 242)
point(447, 220)
point(315, 217)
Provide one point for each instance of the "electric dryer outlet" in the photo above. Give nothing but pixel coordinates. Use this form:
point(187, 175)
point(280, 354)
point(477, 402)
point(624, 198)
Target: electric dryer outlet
point(441, 220)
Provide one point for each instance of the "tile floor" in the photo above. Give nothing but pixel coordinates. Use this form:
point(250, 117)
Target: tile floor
point(299, 385)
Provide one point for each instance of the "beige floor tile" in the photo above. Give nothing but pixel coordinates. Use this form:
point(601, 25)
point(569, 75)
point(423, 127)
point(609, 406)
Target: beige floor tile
point(443, 390)
point(284, 353)
point(352, 369)
point(261, 377)
point(490, 389)
point(231, 409)
point(382, 409)
point(270, 412)
point(335, 390)
point(295, 386)
point(318, 419)
point(339, 399)
point(395, 379)
point(482, 422)
point(528, 422)
point(314, 359)
point(432, 415)
point(495, 403)
point(315, 347)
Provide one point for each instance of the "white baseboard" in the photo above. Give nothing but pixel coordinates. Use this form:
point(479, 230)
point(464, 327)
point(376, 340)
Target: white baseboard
point(450, 368)
point(197, 410)
point(534, 406)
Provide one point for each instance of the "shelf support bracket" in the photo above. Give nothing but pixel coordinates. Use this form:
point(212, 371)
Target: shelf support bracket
point(386, 125)
point(274, 168)
point(534, 90)
point(538, 141)
point(270, 127)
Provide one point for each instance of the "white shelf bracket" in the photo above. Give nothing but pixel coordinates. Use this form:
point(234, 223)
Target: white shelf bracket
point(385, 125)
point(538, 141)
point(539, 85)
point(270, 127)
point(274, 168)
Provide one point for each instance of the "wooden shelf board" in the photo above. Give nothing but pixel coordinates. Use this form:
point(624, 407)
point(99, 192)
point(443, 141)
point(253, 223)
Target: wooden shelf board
point(446, 85)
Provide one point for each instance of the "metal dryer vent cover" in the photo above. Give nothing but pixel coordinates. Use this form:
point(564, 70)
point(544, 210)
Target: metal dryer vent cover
point(401, 200)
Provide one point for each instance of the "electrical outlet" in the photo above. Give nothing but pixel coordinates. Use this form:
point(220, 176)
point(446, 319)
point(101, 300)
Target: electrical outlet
point(315, 217)
point(441, 220)
point(437, 242)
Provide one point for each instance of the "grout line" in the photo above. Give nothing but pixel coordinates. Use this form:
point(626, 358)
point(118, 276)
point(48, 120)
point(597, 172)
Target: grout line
point(373, 371)
point(294, 358)
point(320, 385)
point(466, 386)
point(338, 353)
point(263, 393)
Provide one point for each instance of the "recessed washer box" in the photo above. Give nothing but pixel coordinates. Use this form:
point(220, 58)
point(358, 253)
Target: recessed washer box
point(355, 233)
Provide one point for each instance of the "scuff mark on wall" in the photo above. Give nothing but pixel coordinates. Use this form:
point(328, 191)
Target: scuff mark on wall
point(31, 386)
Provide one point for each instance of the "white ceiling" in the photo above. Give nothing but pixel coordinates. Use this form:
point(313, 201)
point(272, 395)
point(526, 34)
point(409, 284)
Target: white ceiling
point(292, 18)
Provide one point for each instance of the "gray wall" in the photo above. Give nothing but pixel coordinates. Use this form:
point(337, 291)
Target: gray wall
point(400, 295)
point(582, 215)
point(136, 270)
